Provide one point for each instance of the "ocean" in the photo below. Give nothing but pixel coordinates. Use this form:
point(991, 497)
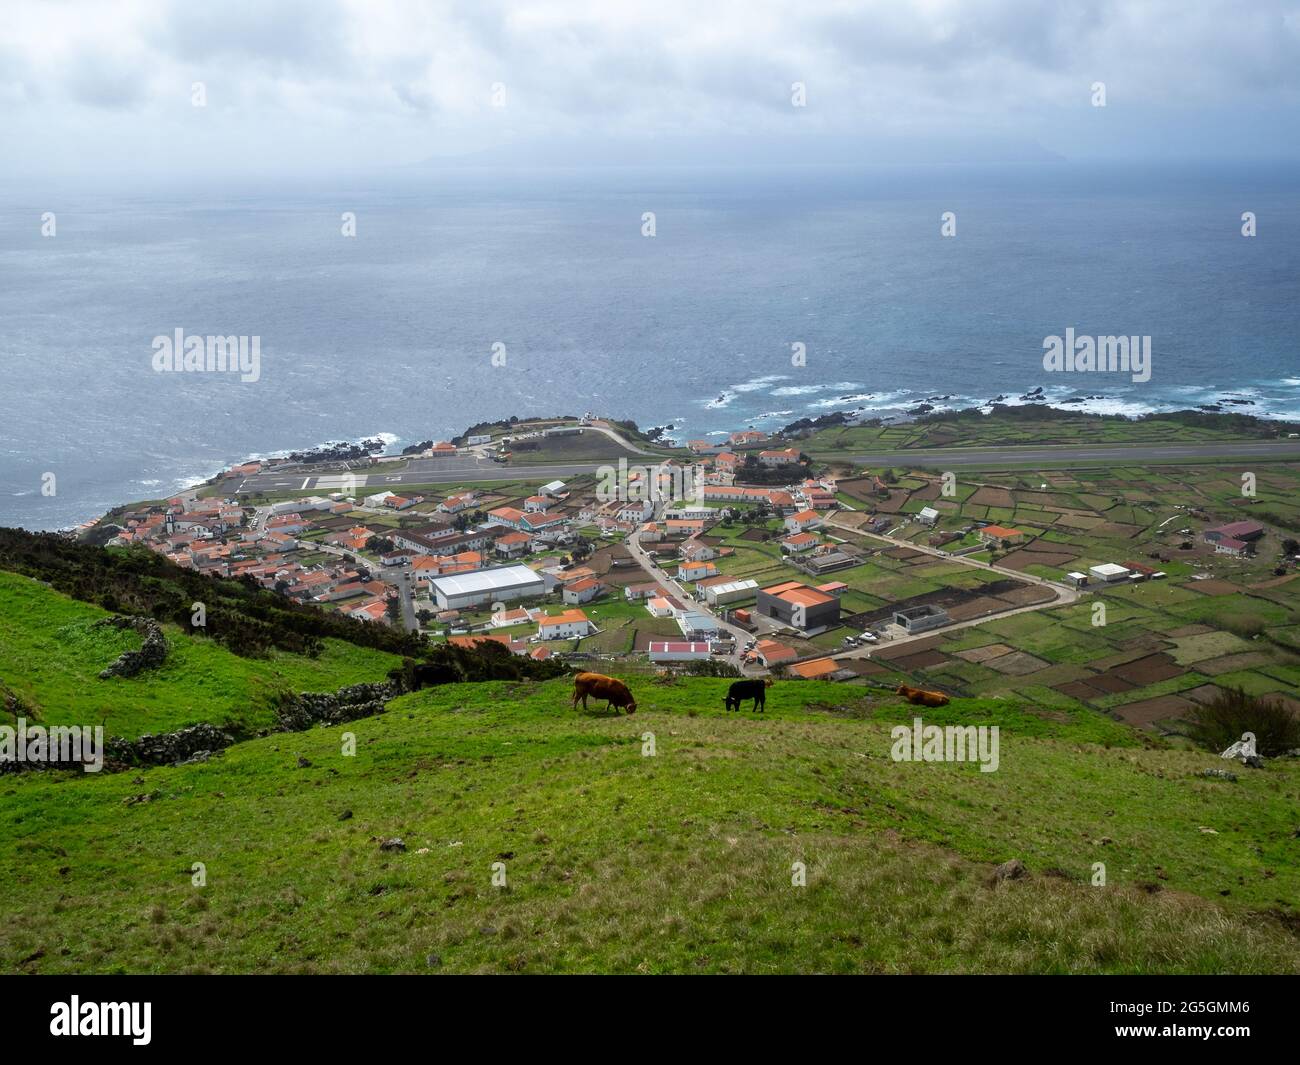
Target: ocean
point(392, 331)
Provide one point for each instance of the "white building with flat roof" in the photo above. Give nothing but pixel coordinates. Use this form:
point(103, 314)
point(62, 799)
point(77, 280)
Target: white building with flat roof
point(729, 591)
point(498, 585)
point(678, 650)
point(1108, 573)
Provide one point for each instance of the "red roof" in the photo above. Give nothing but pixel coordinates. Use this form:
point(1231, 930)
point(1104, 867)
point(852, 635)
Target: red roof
point(1238, 530)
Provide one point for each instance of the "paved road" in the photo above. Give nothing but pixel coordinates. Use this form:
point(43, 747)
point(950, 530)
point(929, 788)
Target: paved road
point(400, 577)
point(674, 587)
point(993, 457)
point(1065, 594)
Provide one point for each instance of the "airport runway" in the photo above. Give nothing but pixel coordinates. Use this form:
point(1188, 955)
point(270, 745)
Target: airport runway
point(453, 469)
point(459, 469)
point(1121, 455)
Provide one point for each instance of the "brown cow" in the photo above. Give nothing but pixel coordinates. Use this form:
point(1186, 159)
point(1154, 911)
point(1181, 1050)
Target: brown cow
point(614, 692)
point(921, 697)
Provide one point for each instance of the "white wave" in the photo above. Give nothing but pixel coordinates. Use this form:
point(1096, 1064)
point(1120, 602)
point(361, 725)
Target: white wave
point(756, 384)
point(799, 390)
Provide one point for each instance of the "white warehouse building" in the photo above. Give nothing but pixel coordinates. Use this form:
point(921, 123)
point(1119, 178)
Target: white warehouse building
point(1108, 573)
point(486, 586)
point(729, 592)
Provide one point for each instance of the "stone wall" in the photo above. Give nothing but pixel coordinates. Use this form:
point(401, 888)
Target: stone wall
point(151, 655)
point(332, 708)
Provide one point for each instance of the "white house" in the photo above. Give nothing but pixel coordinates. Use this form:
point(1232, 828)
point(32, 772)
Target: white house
point(518, 616)
point(583, 590)
point(785, 457)
point(571, 623)
point(660, 607)
point(803, 521)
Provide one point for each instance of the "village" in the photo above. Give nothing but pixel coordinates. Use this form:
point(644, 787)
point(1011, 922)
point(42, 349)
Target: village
point(775, 564)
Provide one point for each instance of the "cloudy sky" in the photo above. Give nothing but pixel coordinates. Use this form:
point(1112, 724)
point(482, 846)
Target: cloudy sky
point(104, 85)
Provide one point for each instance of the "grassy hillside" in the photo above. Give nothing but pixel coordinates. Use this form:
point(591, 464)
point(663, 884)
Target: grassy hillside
point(679, 862)
point(51, 654)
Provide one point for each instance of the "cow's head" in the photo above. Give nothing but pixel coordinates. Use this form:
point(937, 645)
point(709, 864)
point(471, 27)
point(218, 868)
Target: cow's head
point(631, 707)
point(768, 682)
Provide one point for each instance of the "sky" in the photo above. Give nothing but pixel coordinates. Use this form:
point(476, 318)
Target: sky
point(98, 86)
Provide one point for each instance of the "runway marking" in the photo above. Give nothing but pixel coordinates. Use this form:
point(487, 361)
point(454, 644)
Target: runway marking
point(305, 482)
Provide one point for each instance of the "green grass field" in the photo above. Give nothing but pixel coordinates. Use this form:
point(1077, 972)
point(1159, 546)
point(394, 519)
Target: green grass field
point(680, 862)
point(51, 654)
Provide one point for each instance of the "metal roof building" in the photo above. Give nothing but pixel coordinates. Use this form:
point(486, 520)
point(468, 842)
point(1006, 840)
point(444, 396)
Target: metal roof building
point(486, 586)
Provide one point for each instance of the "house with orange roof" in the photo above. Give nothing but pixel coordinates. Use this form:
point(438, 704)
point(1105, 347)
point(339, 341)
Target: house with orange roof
point(522, 615)
point(802, 521)
point(782, 502)
point(371, 610)
point(773, 652)
point(514, 544)
point(994, 534)
point(799, 542)
point(454, 504)
point(786, 456)
point(817, 669)
point(694, 571)
point(660, 606)
point(563, 626)
point(583, 590)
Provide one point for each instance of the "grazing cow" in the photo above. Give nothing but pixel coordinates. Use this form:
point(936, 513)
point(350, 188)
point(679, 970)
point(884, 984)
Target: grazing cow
point(748, 689)
point(614, 692)
point(921, 697)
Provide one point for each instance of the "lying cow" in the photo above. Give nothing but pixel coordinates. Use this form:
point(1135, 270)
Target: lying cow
point(748, 689)
point(614, 692)
point(921, 697)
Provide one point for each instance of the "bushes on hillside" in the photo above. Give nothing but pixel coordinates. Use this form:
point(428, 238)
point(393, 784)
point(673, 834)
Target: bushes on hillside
point(446, 663)
point(1220, 723)
point(241, 615)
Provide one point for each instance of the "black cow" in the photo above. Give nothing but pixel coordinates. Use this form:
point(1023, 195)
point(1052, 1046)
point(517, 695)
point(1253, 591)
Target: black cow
point(748, 689)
